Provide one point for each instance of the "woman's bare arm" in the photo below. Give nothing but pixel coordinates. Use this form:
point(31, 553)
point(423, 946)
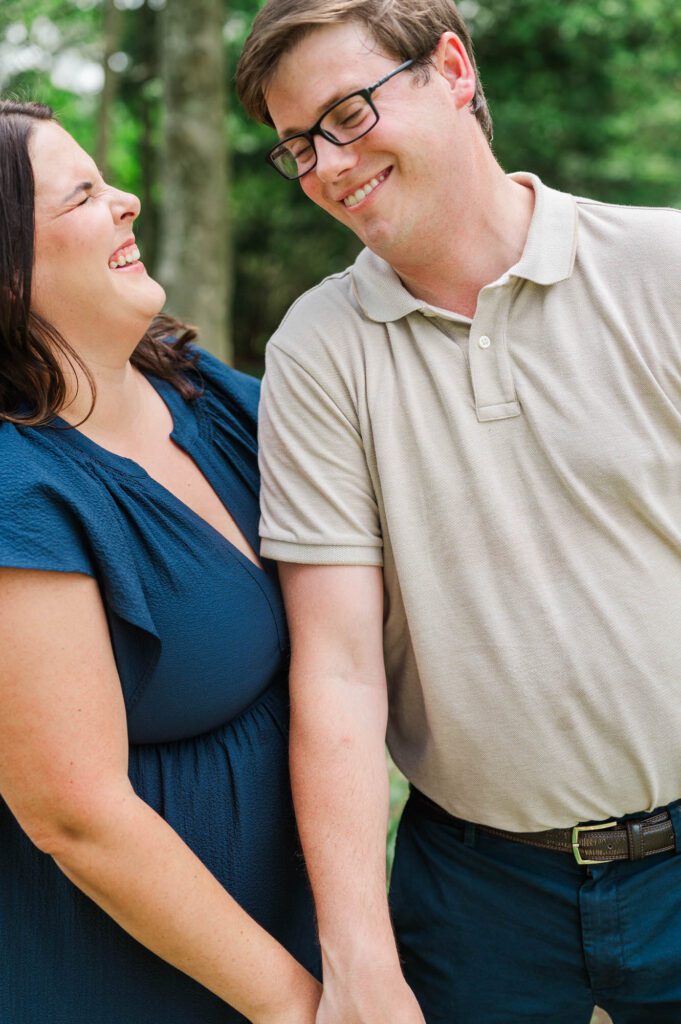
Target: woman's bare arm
point(63, 773)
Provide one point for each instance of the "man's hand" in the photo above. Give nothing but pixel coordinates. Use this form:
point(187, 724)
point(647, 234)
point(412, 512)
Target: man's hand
point(370, 996)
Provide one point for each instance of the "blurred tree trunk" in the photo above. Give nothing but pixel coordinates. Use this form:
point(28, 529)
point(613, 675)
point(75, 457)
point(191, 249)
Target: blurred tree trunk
point(111, 35)
point(194, 264)
point(143, 99)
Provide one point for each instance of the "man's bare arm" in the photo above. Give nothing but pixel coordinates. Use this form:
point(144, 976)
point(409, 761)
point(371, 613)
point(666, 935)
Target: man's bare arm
point(340, 784)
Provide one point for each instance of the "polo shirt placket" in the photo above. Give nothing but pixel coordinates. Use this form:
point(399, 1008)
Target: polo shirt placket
point(489, 359)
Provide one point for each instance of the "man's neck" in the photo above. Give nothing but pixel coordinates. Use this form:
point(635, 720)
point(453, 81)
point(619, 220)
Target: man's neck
point(488, 240)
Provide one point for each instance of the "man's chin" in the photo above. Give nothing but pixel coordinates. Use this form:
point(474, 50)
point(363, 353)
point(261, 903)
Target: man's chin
point(385, 242)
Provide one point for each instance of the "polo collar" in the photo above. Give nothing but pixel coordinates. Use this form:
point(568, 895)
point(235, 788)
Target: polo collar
point(548, 257)
point(549, 253)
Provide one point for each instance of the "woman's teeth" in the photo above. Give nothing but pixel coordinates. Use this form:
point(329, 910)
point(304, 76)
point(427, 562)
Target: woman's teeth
point(124, 257)
point(364, 191)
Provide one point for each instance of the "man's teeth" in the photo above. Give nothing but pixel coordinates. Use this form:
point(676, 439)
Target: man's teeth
point(364, 191)
point(124, 256)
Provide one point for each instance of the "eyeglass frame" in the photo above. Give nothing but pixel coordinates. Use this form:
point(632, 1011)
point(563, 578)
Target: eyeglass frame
point(317, 129)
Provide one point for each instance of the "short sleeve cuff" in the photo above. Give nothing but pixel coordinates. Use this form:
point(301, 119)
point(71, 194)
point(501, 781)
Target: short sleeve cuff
point(320, 554)
point(44, 564)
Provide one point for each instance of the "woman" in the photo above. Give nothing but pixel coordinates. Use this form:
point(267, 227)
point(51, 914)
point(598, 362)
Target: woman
point(149, 872)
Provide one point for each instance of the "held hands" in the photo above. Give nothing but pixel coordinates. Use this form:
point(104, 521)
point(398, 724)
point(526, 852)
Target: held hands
point(378, 997)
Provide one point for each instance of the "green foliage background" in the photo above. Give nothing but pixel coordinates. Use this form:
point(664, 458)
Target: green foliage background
point(587, 93)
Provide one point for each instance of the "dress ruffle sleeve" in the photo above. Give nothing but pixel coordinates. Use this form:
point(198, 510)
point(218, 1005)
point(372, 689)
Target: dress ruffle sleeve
point(54, 516)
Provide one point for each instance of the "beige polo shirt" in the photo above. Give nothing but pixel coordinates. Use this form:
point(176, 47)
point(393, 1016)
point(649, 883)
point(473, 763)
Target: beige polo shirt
point(518, 476)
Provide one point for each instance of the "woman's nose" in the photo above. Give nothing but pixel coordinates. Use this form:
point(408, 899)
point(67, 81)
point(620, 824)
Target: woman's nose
point(126, 206)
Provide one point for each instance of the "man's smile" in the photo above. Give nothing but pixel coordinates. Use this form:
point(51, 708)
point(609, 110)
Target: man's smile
point(354, 198)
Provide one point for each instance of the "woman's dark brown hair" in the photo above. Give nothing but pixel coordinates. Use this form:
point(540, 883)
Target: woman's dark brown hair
point(32, 384)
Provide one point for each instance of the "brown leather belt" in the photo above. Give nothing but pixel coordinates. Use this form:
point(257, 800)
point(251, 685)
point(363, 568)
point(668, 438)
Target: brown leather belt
point(588, 844)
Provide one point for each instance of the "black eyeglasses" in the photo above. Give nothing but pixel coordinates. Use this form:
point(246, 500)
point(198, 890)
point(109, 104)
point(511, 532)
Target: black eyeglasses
point(344, 122)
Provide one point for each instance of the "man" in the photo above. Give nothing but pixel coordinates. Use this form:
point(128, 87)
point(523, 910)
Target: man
point(471, 459)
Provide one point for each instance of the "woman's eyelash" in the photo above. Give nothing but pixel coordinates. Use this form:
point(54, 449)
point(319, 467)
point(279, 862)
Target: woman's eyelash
point(84, 201)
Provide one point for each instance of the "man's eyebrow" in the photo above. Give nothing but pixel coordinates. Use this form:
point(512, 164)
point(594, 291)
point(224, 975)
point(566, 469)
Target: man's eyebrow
point(83, 186)
point(340, 94)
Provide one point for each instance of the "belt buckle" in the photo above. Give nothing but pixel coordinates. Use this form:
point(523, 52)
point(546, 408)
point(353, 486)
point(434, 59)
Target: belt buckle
point(588, 828)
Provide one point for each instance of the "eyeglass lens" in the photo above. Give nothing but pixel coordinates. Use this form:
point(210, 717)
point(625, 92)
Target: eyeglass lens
point(342, 124)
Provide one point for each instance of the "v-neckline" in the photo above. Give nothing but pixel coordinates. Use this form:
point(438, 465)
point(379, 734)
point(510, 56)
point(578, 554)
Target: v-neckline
point(185, 429)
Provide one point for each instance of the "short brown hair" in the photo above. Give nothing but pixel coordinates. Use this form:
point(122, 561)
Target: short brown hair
point(403, 28)
point(32, 384)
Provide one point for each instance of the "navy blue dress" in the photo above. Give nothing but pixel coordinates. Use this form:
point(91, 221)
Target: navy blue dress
point(200, 642)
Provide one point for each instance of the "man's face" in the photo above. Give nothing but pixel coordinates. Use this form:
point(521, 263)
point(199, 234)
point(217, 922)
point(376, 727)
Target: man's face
point(409, 159)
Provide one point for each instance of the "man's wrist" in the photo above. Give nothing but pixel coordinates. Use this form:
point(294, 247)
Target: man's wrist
point(359, 954)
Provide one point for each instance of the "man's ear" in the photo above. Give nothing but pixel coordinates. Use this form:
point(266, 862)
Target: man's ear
point(453, 63)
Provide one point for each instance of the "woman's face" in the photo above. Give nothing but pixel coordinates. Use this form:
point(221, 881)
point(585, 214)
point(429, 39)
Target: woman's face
point(88, 280)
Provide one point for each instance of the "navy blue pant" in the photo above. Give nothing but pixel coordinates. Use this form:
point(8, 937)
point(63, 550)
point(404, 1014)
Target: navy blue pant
point(492, 932)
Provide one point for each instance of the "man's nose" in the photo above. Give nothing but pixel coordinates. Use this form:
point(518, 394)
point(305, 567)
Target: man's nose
point(333, 161)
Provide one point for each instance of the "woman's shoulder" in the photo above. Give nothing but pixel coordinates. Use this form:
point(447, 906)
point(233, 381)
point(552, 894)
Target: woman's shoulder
point(59, 513)
point(30, 457)
point(41, 526)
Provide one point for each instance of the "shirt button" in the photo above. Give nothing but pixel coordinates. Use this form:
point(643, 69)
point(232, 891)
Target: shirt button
point(484, 342)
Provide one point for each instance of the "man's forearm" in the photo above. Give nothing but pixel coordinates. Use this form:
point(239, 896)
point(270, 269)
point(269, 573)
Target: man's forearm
point(341, 793)
point(339, 703)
